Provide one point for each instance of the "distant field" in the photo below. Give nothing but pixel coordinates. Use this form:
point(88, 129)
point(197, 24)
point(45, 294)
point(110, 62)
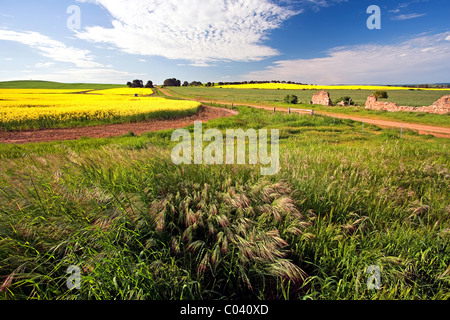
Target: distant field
point(276, 97)
point(286, 86)
point(125, 91)
point(7, 94)
point(401, 97)
point(55, 85)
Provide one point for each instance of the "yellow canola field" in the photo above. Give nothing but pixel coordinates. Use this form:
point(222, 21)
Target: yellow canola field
point(43, 110)
point(9, 92)
point(286, 86)
point(125, 91)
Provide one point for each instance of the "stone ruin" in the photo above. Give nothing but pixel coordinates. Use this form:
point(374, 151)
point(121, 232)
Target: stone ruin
point(322, 98)
point(344, 103)
point(442, 106)
point(373, 104)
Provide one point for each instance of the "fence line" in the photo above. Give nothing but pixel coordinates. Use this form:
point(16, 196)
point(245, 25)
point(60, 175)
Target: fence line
point(290, 110)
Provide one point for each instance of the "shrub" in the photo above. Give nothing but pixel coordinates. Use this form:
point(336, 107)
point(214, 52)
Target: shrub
point(291, 99)
point(381, 94)
point(348, 101)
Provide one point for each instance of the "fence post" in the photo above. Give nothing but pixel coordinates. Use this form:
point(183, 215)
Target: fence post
point(363, 126)
point(274, 110)
point(289, 112)
point(401, 132)
point(312, 113)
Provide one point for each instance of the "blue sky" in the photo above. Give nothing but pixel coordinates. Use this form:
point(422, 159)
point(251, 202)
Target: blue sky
point(308, 41)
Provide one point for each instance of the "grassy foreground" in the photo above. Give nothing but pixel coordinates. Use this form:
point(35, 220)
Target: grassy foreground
point(140, 227)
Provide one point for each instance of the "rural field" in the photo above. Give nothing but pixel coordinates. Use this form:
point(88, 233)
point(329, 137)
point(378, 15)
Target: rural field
point(139, 227)
point(273, 97)
point(43, 109)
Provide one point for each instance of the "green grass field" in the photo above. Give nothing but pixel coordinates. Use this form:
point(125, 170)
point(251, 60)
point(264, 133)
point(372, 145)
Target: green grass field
point(401, 97)
point(140, 227)
point(276, 97)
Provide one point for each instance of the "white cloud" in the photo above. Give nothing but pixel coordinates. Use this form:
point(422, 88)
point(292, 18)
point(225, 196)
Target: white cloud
point(44, 64)
point(5, 15)
point(52, 49)
point(200, 31)
point(316, 4)
point(86, 69)
point(408, 16)
point(95, 75)
point(422, 59)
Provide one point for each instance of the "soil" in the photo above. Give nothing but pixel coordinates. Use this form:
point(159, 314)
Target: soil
point(205, 114)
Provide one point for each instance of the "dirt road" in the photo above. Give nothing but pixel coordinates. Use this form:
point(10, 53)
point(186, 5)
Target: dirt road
point(440, 132)
point(205, 114)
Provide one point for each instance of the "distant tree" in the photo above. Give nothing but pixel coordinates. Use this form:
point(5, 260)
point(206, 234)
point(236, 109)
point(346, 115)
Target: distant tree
point(149, 84)
point(209, 84)
point(381, 94)
point(185, 84)
point(196, 84)
point(172, 83)
point(137, 84)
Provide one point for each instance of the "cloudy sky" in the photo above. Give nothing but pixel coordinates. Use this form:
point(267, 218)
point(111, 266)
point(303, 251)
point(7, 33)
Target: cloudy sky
point(308, 41)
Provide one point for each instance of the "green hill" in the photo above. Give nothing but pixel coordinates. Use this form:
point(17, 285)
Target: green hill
point(55, 85)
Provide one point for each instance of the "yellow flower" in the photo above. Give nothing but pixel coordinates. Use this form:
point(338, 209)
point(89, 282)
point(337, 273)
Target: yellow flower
point(20, 107)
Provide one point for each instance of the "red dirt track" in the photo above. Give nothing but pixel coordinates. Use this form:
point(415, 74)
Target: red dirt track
point(20, 137)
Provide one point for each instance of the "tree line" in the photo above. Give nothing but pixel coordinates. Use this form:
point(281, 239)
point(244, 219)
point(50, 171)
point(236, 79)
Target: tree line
point(173, 82)
point(140, 84)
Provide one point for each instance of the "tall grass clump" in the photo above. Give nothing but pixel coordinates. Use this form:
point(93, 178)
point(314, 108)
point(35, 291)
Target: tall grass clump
point(147, 229)
point(383, 204)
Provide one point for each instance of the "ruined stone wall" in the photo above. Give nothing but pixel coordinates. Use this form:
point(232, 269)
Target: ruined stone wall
point(442, 106)
point(322, 98)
